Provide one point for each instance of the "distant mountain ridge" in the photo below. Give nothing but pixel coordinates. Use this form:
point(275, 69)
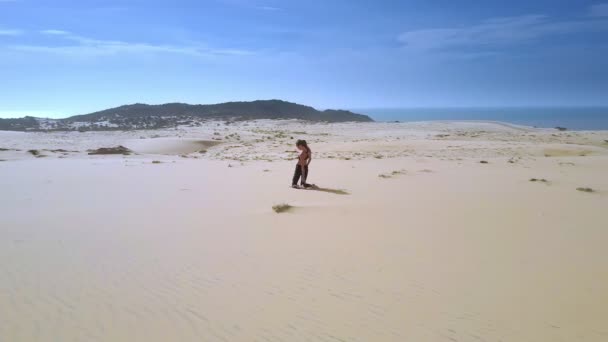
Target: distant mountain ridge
point(143, 116)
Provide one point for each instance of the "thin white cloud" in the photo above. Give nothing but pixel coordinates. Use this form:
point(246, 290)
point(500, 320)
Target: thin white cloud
point(75, 45)
point(55, 32)
point(599, 10)
point(5, 32)
point(497, 32)
point(269, 8)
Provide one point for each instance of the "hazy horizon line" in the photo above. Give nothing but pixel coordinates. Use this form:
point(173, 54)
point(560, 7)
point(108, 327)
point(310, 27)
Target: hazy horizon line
point(39, 113)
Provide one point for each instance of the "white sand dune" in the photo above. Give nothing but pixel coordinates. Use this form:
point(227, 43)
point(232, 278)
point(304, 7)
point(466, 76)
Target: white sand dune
point(168, 146)
point(444, 248)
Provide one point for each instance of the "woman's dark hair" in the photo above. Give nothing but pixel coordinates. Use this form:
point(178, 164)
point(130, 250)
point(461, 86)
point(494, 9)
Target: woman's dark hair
point(302, 143)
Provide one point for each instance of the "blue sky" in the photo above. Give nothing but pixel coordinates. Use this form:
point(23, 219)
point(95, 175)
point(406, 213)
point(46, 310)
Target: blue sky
point(66, 57)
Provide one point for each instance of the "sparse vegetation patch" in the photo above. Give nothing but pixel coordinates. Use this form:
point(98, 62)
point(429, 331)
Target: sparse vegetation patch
point(281, 208)
point(110, 150)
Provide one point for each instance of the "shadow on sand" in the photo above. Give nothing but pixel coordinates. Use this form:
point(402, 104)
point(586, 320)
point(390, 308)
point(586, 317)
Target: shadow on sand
point(328, 190)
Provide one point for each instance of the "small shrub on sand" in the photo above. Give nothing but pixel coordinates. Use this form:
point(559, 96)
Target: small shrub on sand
point(281, 208)
point(542, 180)
point(34, 152)
point(111, 150)
point(384, 175)
point(585, 189)
point(483, 162)
point(156, 162)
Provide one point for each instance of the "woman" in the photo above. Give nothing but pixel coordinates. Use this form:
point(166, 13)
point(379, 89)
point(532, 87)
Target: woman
point(302, 167)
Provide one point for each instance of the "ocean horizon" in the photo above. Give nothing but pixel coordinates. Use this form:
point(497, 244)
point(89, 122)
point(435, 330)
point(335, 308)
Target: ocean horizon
point(572, 118)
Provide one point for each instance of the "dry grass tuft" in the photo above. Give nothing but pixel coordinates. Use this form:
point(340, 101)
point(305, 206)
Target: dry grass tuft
point(281, 208)
point(585, 190)
point(111, 150)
